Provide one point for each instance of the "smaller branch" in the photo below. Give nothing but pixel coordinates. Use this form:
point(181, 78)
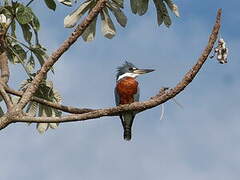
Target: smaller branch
point(19, 42)
point(28, 4)
point(67, 109)
point(5, 97)
point(4, 121)
point(5, 73)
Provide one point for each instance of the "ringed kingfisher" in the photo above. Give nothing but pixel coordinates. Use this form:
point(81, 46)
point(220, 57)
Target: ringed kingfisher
point(126, 92)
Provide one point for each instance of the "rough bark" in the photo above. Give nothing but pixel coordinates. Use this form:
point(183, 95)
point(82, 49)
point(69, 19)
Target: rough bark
point(4, 68)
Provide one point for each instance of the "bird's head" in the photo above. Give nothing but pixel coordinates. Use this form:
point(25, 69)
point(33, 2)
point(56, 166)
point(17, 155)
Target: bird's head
point(129, 70)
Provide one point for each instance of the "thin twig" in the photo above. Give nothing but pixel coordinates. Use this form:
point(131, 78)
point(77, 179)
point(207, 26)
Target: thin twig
point(19, 42)
point(68, 109)
point(29, 3)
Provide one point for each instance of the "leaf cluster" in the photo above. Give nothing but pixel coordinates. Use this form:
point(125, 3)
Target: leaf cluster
point(108, 29)
point(23, 52)
point(48, 92)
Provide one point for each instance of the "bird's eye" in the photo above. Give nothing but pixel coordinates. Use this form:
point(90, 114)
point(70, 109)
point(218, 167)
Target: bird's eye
point(130, 69)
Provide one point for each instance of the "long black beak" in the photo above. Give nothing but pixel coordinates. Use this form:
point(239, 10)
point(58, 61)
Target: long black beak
point(143, 71)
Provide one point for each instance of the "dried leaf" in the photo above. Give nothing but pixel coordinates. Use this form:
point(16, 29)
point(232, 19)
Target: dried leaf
point(53, 125)
point(108, 28)
point(15, 99)
point(42, 127)
point(32, 108)
point(72, 19)
point(66, 2)
point(57, 96)
point(89, 33)
point(173, 7)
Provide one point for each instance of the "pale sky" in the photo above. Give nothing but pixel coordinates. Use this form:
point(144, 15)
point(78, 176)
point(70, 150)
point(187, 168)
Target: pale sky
point(200, 141)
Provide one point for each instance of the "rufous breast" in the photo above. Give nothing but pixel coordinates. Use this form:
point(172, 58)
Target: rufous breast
point(126, 88)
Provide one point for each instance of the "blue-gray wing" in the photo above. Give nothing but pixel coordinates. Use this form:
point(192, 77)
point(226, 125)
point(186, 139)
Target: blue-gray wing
point(137, 95)
point(117, 99)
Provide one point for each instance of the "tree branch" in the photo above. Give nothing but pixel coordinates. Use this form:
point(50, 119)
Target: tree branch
point(5, 96)
point(67, 109)
point(4, 67)
point(58, 53)
point(137, 106)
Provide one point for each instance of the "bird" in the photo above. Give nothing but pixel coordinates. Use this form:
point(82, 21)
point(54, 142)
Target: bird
point(126, 92)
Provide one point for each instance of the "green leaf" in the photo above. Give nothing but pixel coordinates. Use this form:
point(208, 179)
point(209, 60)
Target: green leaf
point(119, 15)
point(118, 2)
point(143, 7)
point(30, 64)
point(167, 20)
point(50, 4)
point(19, 54)
point(58, 113)
point(89, 33)
point(27, 34)
point(162, 13)
point(40, 54)
point(24, 14)
point(35, 23)
point(134, 6)
point(13, 28)
point(48, 111)
point(108, 28)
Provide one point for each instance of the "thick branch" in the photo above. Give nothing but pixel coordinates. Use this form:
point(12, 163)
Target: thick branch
point(57, 54)
point(138, 106)
point(4, 67)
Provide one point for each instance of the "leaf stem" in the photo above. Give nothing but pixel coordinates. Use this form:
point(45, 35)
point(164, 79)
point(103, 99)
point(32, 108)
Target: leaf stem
point(29, 3)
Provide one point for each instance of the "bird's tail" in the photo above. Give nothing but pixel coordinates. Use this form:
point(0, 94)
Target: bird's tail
point(127, 121)
point(127, 135)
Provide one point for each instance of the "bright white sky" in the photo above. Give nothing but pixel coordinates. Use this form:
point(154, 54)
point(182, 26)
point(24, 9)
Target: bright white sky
point(198, 142)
